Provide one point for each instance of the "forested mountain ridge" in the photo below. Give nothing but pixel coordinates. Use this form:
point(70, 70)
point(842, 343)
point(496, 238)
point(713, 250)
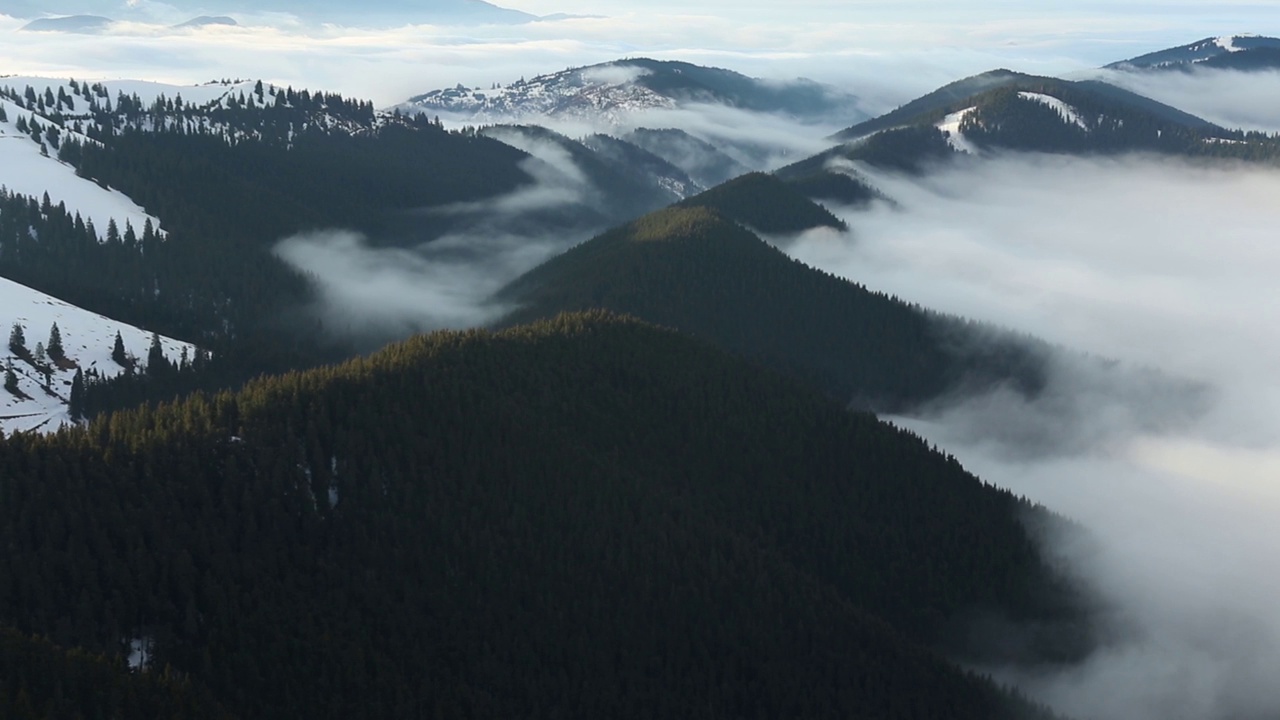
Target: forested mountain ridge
point(693, 269)
point(589, 517)
point(1229, 51)
point(175, 205)
point(1005, 110)
point(765, 204)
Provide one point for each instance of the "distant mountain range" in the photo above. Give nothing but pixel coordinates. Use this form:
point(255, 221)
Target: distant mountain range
point(95, 24)
point(464, 12)
point(1233, 52)
point(615, 90)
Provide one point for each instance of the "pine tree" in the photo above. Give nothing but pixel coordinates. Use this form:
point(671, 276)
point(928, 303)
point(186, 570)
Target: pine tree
point(117, 351)
point(10, 379)
point(54, 348)
point(75, 403)
point(157, 364)
point(17, 339)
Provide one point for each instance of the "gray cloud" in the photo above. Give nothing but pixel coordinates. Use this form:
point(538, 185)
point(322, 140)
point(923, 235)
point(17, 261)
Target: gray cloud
point(376, 293)
point(1161, 264)
point(1230, 98)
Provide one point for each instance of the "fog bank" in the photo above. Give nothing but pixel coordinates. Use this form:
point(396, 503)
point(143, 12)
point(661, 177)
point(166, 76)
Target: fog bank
point(1160, 264)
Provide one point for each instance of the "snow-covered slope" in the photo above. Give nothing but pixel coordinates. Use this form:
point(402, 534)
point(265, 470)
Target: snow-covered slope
point(950, 126)
point(87, 339)
point(27, 170)
point(568, 94)
point(1206, 50)
point(1067, 112)
point(611, 92)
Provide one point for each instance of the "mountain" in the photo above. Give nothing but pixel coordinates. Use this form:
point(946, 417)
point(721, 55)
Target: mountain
point(208, 21)
point(694, 269)
point(615, 91)
point(1002, 110)
point(462, 12)
point(589, 517)
point(624, 154)
point(1238, 52)
point(222, 172)
point(1098, 98)
point(766, 204)
point(29, 143)
point(42, 395)
point(83, 24)
point(930, 103)
point(621, 181)
point(705, 163)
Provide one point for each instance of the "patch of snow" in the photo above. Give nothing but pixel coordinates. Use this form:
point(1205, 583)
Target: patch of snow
point(1227, 43)
point(140, 653)
point(610, 92)
point(1067, 112)
point(950, 126)
point(148, 92)
point(25, 171)
point(87, 340)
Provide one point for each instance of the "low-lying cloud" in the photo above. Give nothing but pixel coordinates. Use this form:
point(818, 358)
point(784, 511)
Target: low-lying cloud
point(374, 293)
point(1230, 98)
point(1160, 264)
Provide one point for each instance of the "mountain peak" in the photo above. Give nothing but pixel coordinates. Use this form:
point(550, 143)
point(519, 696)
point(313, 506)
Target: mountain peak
point(1243, 51)
point(612, 90)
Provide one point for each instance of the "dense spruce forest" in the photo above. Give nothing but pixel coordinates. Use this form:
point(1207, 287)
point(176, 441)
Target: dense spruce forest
point(766, 204)
point(587, 517)
point(694, 269)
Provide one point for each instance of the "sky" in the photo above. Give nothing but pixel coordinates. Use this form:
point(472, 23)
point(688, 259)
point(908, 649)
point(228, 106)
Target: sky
point(888, 52)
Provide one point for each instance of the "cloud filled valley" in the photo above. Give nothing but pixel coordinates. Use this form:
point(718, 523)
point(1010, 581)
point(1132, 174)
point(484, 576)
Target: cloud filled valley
point(1159, 264)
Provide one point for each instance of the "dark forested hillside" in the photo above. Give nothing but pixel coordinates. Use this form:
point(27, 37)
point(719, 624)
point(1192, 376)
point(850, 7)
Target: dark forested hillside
point(705, 163)
point(692, 269)
point(1002, 110)
point(765, 204)
point(584, 518)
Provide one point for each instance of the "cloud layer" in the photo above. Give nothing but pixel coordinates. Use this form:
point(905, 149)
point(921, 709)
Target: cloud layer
point(887, 52)
point(1160, 264)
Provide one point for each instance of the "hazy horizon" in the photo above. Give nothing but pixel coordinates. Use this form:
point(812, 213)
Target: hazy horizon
point(887, 52)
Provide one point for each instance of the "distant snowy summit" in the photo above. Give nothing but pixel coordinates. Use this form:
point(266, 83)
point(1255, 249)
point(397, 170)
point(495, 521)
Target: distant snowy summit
point(1232, 52)
point(614, 90)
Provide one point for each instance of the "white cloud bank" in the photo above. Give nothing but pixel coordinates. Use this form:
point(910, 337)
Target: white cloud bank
point(887, 52)
point(1158, 263)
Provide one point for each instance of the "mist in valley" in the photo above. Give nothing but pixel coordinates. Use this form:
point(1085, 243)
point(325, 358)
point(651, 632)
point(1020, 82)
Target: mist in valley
point(1167, 267)
point(376, 292)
